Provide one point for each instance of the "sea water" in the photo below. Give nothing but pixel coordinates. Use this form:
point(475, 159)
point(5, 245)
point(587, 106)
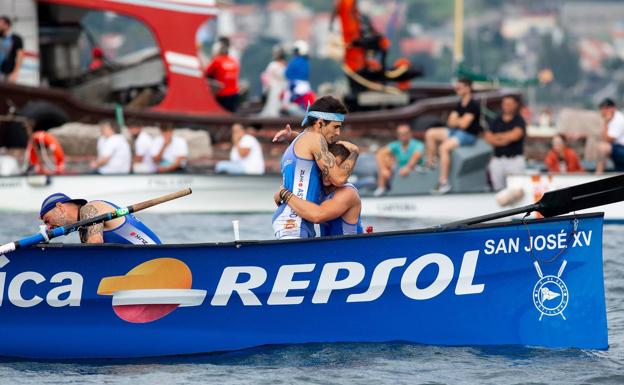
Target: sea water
point(388, 363)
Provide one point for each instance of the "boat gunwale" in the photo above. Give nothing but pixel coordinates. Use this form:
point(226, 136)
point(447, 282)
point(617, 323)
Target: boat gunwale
point(351, 237)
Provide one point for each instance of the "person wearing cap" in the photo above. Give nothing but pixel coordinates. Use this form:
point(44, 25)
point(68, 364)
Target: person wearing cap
point(307, 159)
point(59, 210)
point(612, 145)
point(299, 91)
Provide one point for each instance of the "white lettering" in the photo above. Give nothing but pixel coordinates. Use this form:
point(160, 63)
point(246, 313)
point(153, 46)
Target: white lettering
point(561, 240)
point(409, 280)
point(328, 281)
point(15, 289)
point(467, 273)
point(284, 282)
point(74, 288)
point(489, 247)
point(228, 284)
point(381, 274)
point(577, 240)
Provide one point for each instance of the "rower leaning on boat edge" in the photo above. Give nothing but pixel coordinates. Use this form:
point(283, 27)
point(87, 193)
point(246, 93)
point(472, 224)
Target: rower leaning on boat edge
point(306, 159)
point(60, 210)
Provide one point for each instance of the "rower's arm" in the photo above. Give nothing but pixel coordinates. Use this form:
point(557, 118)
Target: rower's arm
point(337, 174)
point(330, 209)
point(93, 233)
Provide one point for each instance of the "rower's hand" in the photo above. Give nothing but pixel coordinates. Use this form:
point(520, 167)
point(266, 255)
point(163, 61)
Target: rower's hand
point(283, 134)
point(277, 199)
point(349, 146)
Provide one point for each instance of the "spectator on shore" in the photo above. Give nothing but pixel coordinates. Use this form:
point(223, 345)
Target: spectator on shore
point(142, 162)
point(401, 155)
point(113, 151)
point(506, 135)
point(274, 80)
point(169, 151)
point(245, 156)
point(462, 129)
point(225, 70)
point(612, 144)
point(11, 51)
point(299, 92)
point(562, 158)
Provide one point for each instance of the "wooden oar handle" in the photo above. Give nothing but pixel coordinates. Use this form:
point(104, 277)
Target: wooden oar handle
point(156, 201)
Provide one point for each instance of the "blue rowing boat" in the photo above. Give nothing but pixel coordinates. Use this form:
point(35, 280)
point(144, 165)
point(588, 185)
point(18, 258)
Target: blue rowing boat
point(538, 283)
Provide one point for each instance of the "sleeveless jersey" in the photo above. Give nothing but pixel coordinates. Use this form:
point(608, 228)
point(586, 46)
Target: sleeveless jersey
point(339, 226)
point(132, 231)
point(302, 178)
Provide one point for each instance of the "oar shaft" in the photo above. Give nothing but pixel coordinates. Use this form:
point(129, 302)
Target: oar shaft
point(156, 201)
point(490, 217)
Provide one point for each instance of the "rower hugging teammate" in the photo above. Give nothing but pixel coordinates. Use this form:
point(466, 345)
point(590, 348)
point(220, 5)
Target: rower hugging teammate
point(305, 164)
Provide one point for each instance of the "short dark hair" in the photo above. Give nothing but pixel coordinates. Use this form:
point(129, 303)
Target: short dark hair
point(338, 149)
point(465, 81)
point(166, 126)
point(607, 102)
point(6, 19)
point(133, 122)
point(326, 104)
point(112, 123)
point(513, 97)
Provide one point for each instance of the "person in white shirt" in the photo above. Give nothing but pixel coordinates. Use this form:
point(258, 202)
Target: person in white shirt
point(113, 151)
point(246, 154)
point(142, 146)
point(274, 79)
point(612, 145)
point(170, 152)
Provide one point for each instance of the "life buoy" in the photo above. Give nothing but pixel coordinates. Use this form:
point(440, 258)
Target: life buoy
point(46, 144)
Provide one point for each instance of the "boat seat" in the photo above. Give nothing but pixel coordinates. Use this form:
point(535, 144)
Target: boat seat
point(468, 173)
point(365, 172)
point(375, 98)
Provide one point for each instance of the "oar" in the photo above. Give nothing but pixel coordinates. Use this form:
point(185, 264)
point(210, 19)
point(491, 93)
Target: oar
point(562, 201)
point(46, 235)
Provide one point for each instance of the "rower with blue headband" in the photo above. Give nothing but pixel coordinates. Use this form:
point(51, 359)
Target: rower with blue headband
point(306, 159)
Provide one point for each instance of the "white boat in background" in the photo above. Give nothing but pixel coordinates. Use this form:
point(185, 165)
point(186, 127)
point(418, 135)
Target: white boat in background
point(449, 207)
point(211, 193)
point(254, 194)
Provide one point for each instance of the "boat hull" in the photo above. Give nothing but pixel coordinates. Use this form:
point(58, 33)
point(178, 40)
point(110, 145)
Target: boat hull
point(459, 287)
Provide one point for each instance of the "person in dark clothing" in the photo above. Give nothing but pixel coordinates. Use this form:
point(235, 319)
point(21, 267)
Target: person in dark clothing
point(506, 135)
point(462, 129)
point(11, 51)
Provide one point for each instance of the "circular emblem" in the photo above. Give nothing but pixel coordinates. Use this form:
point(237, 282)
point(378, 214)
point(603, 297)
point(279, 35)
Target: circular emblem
point(550, 295)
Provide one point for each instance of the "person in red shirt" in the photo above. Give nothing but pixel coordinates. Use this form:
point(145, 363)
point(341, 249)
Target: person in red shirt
point(97, 59)
point(562, 158)
point(225, 69)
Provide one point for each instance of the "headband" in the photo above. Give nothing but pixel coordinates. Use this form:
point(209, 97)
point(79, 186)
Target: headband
point(322, 115)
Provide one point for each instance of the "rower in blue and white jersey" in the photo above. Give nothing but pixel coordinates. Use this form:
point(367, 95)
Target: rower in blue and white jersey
point(340, 208)
point(60, 210)
point(307, 159)
point(344, 224)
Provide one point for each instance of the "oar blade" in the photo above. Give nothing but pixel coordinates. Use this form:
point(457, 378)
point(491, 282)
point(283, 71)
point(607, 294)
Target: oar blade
point(598, 193)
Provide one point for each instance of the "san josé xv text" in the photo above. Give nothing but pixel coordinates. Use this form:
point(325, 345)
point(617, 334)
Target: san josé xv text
point(537, 242)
